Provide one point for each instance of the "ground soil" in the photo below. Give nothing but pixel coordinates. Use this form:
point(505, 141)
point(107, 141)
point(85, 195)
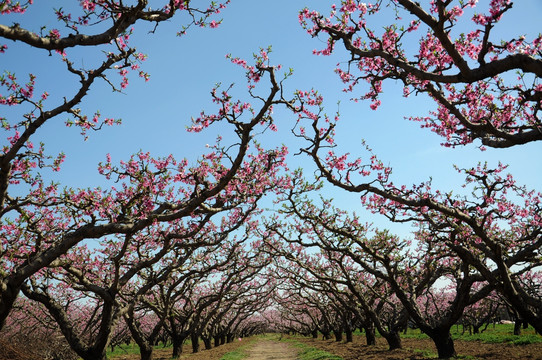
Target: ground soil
point(413, 349)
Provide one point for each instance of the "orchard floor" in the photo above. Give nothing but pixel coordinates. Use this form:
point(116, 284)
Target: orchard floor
point(417, 349)
point(256, 348)
point(259, 348)
point(271, 350)
point(214, 353)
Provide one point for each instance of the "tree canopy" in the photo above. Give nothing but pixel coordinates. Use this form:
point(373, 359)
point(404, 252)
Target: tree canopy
point(229, 228)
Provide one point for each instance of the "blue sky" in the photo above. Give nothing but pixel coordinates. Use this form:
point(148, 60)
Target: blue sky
point(183, 71)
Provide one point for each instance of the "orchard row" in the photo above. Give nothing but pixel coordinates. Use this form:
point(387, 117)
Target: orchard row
point(172, 249)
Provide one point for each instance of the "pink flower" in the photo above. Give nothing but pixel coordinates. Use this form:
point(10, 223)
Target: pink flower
point(375, 104)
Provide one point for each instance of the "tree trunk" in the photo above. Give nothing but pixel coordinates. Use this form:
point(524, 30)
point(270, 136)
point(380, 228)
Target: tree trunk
point(94, 355)
point(222, 339)
point(207, 342)
point(195, 342)
point(347, 327)
point(444, 343)
point(217, 340)
point(146, 353)
point(8, 295)
point(349, 335)
point(144, 343)
point(517, 327)
point(394, 340)
point(315, 334)
point(370, 334)
point(177, 342)
point(338, 335)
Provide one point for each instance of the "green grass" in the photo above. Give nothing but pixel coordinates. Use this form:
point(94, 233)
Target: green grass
point(500, 333)
point(311, 353)
point(433, 354)
point(234, 355)
point(123, 350)
point(132, 348)
point(240, 353)
point(426, 353)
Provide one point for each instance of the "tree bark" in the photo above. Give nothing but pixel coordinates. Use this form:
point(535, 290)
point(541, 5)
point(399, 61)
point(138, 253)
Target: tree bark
point(195, 342)
point(370, 334)
point(8, 295)
point(177, 342)
point(338, 335)
point(349, 335)
point(145, 346)
point(394, 340)
point(517, 327)
point(146, 353)
point(207, 342)
point(444, 343)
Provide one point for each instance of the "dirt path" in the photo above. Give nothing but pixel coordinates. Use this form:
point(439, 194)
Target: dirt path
point(271, 350)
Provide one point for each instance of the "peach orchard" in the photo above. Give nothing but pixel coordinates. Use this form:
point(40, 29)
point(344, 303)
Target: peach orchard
point(172, 248)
